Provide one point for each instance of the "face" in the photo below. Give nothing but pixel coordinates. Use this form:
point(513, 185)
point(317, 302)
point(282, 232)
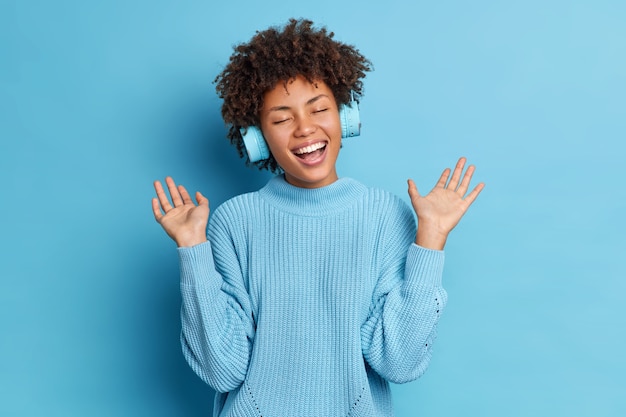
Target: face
point(301, 126)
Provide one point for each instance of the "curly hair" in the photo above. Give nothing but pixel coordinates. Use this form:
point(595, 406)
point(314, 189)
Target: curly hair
point(279, 55)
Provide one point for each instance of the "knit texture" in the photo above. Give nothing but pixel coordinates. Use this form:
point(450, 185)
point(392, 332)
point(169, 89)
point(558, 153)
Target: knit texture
point(308, 302)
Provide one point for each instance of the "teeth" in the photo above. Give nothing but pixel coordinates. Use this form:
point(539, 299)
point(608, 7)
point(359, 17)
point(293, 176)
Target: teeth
point(310, 148)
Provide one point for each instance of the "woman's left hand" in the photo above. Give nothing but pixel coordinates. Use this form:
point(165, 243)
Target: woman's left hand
point(440, 211)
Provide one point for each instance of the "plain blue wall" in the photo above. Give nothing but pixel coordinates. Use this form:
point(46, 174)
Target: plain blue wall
point(98, 99)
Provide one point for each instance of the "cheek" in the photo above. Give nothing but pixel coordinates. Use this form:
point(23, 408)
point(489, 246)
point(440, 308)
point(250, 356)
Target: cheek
point(275, 141)
point(333, 126)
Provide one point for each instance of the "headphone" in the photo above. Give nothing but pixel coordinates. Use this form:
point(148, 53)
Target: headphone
point(256, 146)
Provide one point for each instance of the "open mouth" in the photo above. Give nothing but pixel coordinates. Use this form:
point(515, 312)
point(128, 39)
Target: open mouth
point(311, 152)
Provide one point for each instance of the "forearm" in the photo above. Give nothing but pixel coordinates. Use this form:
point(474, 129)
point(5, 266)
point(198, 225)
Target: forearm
point(216, 330)
point(397, 337)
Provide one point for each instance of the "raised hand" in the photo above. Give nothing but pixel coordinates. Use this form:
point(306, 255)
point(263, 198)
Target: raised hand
point(441, 210)
point(185, 222)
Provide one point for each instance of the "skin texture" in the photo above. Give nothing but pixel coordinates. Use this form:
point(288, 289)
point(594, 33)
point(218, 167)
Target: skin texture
point(441, 210)
point(183, 220)
point(300, 114)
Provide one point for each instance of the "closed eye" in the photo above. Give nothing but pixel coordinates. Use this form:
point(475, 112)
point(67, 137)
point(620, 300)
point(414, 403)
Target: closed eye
point(320, 110)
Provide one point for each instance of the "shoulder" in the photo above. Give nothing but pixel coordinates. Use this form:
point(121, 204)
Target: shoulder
point(386, 203)
point(237, 207)
point(230, 222)
point(394, 218)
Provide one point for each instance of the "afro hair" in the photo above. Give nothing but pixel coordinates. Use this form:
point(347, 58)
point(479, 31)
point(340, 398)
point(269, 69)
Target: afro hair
point(279, 54)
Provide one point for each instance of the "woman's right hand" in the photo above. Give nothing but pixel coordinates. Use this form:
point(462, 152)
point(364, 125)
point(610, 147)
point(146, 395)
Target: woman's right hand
point(185, 222)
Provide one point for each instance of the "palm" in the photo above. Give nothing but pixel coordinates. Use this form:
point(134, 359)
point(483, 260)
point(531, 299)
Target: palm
point(185, 217)
point(184, 221)
point(444, 206)
point(440, 211)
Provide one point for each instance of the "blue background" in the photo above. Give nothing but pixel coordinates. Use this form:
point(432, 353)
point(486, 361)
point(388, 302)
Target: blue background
point(98, 99)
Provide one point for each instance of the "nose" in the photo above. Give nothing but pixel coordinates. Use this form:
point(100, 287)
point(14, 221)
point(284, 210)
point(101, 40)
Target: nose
point(305, 127)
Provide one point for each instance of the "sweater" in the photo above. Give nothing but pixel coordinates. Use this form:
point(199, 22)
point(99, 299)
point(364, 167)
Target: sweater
point(309, 302)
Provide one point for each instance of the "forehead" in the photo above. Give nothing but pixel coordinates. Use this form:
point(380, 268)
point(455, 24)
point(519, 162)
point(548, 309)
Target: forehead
point(295, 90)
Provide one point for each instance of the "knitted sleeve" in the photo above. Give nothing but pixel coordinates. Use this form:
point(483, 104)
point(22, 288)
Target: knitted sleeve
point(407, 302)
point(217, 323)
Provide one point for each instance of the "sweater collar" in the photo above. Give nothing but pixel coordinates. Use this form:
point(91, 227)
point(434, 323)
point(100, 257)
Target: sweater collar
point(311, 201)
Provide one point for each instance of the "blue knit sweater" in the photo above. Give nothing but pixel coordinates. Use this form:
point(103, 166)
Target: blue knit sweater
point(308, 302)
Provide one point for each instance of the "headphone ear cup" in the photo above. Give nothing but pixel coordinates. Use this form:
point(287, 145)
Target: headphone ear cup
point(255, 144)
point(350, 119)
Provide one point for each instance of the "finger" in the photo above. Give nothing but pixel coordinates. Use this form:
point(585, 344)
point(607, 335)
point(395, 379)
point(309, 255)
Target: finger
point(174, 193)
point(185, 195)
point(156, 209)
point(467, 177)
point(163, 200)
point(456, 175)
point(413, 192)
point(443, 179)
point(472, 195)
point(202, 200)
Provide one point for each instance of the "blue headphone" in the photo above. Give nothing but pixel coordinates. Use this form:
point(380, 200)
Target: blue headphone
point(257, 147)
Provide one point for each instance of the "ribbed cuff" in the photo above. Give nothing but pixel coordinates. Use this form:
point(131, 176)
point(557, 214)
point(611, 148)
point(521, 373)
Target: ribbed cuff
point(424, 266)
point(196, 262)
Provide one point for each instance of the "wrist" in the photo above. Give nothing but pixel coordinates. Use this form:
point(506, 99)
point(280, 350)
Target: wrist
point(189, 241)
point(430, 238)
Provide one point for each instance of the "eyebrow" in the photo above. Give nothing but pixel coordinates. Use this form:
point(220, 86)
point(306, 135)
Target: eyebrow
point(309, 102)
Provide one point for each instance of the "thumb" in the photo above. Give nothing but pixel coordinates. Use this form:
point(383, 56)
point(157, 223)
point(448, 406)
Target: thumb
point(202, 200)
point(413, 192)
